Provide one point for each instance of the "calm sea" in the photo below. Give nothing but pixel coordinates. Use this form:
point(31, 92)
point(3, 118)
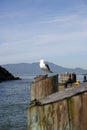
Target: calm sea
point(14, 98)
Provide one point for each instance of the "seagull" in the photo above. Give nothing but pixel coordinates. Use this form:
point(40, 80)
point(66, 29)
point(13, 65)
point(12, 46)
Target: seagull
point(44, 66)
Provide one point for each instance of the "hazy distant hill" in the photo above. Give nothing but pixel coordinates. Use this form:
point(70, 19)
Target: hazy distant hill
point(33, 68)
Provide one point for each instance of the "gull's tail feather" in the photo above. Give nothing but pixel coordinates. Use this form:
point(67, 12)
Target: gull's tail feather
point(50, 71)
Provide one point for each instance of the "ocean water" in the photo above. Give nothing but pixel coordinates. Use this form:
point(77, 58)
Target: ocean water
point(14, 99)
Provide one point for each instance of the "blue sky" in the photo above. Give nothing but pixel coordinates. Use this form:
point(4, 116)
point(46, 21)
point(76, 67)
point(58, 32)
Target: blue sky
point(53, 30)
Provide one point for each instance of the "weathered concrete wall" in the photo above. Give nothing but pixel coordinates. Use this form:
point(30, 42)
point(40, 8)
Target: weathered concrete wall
point(43, 86)
point(68, 114)
point(78, 112)
point(64, 110)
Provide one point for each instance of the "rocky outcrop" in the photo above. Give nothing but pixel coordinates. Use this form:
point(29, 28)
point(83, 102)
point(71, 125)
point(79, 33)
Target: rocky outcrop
point(5, 75)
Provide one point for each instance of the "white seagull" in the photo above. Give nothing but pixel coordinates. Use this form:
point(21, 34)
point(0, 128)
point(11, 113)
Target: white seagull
point(44, 66)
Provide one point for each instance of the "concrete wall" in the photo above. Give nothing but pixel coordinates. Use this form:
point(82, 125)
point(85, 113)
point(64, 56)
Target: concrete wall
point(43, 86)
point(64, 110)
point(69, 114)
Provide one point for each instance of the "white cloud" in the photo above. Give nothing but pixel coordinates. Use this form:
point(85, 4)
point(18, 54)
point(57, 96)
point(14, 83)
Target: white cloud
point(73, 18)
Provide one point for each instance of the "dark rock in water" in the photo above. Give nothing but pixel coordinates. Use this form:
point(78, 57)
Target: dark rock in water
point(5, 75)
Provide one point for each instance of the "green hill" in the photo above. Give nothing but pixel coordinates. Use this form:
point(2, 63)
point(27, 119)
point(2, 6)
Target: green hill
point(5, 75)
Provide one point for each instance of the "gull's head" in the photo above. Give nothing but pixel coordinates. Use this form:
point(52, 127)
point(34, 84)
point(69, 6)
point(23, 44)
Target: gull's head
point(41, 61)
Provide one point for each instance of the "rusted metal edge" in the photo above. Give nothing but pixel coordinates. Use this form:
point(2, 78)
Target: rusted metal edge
point(61, 95)
point(34, 102)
